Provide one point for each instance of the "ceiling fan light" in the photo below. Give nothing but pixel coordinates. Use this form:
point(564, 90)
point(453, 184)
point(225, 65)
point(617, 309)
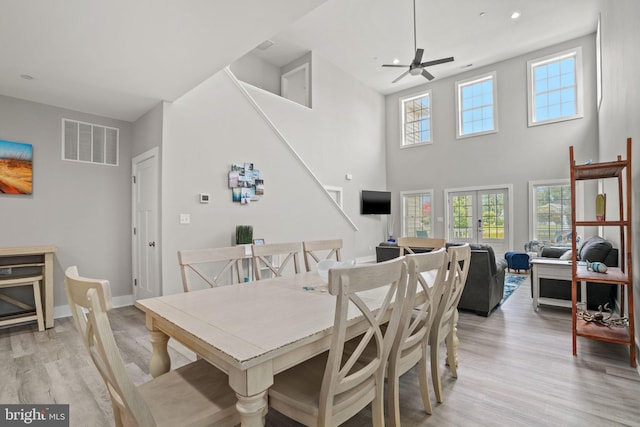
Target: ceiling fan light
point(415, 71)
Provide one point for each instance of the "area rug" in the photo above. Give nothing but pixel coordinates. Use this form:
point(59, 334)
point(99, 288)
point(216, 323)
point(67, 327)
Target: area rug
point(511, 283)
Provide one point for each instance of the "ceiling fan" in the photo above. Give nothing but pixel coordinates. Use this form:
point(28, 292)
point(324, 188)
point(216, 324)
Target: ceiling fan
point(417, 67)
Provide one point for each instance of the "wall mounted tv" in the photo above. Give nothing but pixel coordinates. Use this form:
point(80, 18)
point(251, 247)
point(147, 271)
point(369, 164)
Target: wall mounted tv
point(375, 202)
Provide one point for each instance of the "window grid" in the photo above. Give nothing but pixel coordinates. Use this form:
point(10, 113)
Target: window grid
point(555, 89)
point(476, 106)
point(552, 211)
point(91, 143)
point(416, 119)
point(417, 214)
point(462, 217)
point(493, 216)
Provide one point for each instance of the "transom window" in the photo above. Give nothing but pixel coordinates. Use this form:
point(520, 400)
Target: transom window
point(417, 213)
point(476, 103)
point(555, 87)
point(551, 205)
point(416, 119)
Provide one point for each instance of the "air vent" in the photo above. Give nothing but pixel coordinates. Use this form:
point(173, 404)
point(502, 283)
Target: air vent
point(88, 142)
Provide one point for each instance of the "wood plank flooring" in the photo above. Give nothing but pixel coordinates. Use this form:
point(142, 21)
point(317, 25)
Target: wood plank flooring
point(516, 369)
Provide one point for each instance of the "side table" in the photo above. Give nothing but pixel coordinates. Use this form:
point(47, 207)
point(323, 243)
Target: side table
point(551, 268)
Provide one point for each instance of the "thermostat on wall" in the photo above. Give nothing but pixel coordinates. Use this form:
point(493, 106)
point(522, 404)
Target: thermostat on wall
point(204, 197)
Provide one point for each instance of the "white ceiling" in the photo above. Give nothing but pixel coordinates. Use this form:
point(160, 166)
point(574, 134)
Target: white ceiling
point(119, 58)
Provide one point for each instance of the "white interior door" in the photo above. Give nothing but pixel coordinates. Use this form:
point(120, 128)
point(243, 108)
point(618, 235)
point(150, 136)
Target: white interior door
point(480, 216)
point(146, 245)
point(295, 85)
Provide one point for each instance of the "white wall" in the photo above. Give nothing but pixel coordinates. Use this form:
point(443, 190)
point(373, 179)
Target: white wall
point(515, 155)
point(620, 107)
point(257, 72)
point(215, 125)
point(83, 209)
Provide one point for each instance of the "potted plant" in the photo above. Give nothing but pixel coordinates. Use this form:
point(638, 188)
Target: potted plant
point(244, 234)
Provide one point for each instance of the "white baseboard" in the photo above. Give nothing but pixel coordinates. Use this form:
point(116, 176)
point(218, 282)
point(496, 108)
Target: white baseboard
point(61, 311)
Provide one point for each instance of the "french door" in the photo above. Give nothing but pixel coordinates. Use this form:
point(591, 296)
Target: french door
point(479, 216)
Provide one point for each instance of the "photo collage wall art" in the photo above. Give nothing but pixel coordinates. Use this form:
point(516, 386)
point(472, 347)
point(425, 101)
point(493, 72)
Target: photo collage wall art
point(245, 183)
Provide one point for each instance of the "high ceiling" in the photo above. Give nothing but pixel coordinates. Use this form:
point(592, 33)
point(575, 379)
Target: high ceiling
point(119, 58)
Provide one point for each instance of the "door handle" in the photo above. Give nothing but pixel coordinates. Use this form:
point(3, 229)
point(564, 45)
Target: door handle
point(152, 244)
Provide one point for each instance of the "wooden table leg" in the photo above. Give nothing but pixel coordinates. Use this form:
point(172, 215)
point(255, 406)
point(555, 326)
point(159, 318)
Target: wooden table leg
point(252, 409)
point(47, 290)
point(160, 360)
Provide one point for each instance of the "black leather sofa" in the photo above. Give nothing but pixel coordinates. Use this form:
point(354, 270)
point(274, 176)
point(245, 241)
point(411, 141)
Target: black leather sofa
point(484, 288)
point(594, 249)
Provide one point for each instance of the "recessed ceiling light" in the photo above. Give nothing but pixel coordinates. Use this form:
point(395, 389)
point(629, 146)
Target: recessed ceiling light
point(26, 77)
point(396, 61)
point(515, 15)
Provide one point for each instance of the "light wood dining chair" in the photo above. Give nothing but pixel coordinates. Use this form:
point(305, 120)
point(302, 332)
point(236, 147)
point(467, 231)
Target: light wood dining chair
point(446, 318)
point(275, 257)
point(329, 249)
point(330, 388)
point(211, 265)
point(196, 394)
point(426, 283)
point(407, 244)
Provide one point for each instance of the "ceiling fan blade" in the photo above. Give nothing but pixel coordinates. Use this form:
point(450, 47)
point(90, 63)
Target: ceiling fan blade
point(418, 57)
point(436, 62)
point(395, 65)
point(427, 75)
point(400, 76)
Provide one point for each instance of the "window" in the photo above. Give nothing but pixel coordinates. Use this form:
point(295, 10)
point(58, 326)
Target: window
point(476, 104)
point(417, 213)
point(551, 209)
point(555, 87)
point(87, 142)
point(416, 119)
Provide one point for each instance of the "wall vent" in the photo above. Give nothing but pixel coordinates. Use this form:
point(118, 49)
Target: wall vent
point(90, 143)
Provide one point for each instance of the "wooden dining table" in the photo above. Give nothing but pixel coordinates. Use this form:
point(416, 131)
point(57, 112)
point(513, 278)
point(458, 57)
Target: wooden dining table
point(251, 331)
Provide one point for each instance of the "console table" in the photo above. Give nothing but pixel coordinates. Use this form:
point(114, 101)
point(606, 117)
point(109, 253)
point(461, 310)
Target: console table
point(34, 257)
point(552, 268)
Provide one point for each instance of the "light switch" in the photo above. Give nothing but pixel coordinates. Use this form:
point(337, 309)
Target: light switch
point(185, 218)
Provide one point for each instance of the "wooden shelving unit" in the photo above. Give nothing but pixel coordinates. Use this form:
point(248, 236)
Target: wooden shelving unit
point(622, 276)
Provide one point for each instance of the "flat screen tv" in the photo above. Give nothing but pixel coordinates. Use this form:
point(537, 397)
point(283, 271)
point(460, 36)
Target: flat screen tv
point(376, 202)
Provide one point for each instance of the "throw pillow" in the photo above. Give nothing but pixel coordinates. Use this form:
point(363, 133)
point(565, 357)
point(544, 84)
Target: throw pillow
point(595, 249)
point(566, 256)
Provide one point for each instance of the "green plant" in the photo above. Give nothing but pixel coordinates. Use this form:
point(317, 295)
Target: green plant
point(244, 234)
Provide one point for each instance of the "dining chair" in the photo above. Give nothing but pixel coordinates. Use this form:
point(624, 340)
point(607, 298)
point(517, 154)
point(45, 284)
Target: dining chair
point(194, 394)
point(332, 387)
point(265, 256)
point(425, 286)
point(329, 248)
point(446, 317)
point(210, 265)
point(408, 244)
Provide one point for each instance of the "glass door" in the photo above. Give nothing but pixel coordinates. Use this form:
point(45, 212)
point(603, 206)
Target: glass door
point(479, 216)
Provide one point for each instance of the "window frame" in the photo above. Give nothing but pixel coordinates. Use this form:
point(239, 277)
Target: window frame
point(459, 85)
point(533, 185)
point(579, 86)
point(403, 194)
point(403, 144)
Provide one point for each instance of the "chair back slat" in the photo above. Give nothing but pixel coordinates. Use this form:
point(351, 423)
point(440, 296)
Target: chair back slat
point(427, 273)
point(407, 244)
point(211, 265)
point(356, 288)
point(89, 300)
point(264, 257)
point(329, 248)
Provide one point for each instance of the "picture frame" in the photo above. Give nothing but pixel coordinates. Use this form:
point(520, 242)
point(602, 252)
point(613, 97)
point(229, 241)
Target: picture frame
point(258, 241)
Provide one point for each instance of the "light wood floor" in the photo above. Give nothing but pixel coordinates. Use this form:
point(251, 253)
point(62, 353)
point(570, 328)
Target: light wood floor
point(516, 369)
